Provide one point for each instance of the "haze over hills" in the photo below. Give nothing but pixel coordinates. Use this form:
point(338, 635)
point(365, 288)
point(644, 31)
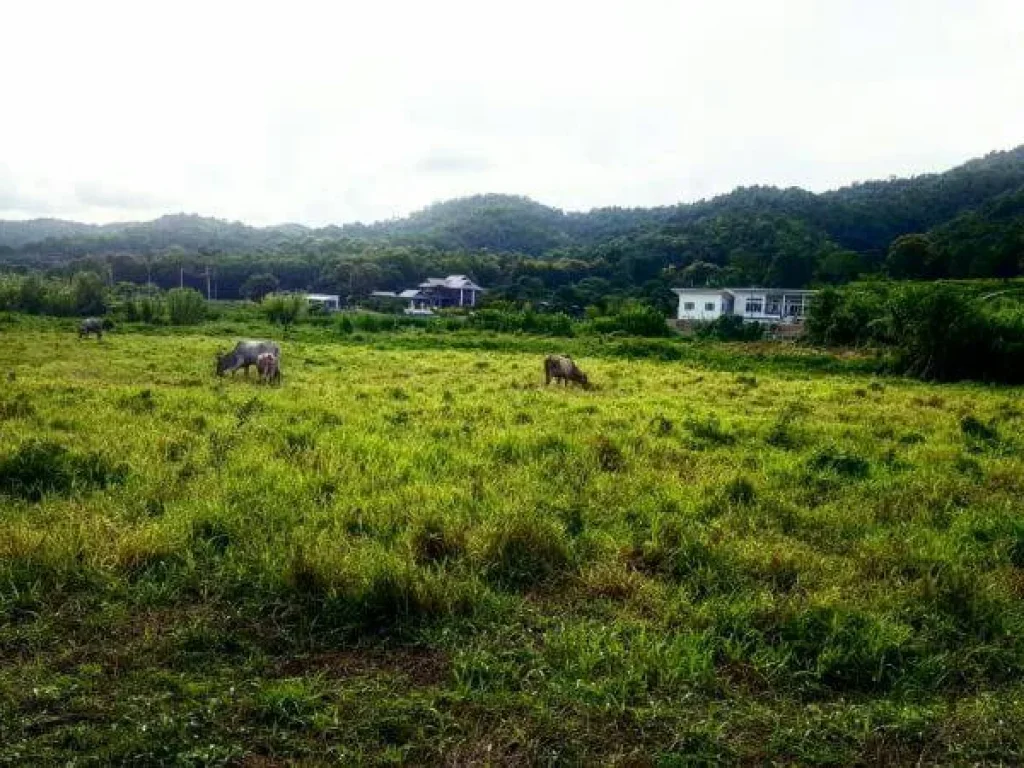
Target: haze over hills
point(753, 234)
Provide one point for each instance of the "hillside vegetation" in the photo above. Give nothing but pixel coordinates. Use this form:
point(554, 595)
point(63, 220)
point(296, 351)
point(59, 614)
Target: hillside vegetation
point(420, 554)
point(966, 222)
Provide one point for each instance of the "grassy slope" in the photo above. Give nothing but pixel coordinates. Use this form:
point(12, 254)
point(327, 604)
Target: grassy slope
point(425, 555)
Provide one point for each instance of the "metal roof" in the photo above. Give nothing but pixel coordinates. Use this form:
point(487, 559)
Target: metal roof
point(741, 290)
point(455, 282)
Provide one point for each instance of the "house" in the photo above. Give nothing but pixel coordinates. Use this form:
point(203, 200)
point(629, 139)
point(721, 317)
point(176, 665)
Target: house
point(435, 293)
point(451, 291)
point(329, 301)
point(765, 305)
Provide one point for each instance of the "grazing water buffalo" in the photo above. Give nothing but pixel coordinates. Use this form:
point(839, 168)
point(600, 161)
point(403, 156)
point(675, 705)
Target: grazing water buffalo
point(244, 354)
point(267, 367)
point(562, 367)
point(90, 325)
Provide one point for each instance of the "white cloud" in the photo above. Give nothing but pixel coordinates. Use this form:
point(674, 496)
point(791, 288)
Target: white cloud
point(329, 112)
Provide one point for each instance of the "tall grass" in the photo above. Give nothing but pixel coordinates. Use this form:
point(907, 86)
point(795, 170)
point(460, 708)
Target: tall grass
point(422, 554)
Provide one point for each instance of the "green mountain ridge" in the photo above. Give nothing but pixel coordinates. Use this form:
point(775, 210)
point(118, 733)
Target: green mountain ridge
point(861, 216)
point(970, 217)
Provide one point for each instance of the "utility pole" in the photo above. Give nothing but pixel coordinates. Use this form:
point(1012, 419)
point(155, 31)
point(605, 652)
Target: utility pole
point(181, 277)
point(208, 295)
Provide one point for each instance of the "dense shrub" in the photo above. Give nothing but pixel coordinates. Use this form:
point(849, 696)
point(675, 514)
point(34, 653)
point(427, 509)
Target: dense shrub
point(849, 317)
point(258, 286)
point(528, 321)
point(149, 309)
point(185, 306)
point(944, 335)
point(284, 308)
point(938, 331)
point(31, 295)
point(89, 294)
point(635, 320)
point(730, 328)
point(145, 309)
point(83, 294)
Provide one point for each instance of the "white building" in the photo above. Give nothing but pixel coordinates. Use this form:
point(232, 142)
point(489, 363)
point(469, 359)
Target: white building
point(766, 305)
point(329, 301)
point(451, 291)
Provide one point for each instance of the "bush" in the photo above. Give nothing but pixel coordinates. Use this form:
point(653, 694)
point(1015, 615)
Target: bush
point(89, 294)
point(10, 293)
point(849, 317)
point(730, 328)
point(256, 287)
point(84, 294)
point(59, 301)
point(939, 331)
point(528, 321)
point(284, 308)
point(31, 295)
point(185, 306)
point(635, 320)
point(149, 309)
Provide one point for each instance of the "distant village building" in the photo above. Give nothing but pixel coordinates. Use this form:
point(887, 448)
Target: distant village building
point(329, 301)
point(436, 293)
point(764, 305)
point(451, 291)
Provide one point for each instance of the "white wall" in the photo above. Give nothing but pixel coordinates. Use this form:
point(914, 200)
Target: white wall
point(700, 300)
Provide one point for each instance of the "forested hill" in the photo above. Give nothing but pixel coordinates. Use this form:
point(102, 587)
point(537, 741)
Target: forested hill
point(14, 234)
point(964, 222)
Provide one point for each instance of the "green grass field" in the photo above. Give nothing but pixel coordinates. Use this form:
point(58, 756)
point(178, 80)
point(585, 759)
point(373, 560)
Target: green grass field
point(421, 555)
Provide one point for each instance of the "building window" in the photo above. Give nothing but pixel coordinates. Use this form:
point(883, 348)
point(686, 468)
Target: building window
point(754, 305)
point(709, 306)
point(688, 306)
point(773, 305)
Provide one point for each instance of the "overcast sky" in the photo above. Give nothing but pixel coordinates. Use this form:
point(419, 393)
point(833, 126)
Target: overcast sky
point(340, 111)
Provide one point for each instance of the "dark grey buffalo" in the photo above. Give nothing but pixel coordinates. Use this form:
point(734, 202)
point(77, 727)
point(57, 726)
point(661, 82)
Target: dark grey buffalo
point(90, 325)
point(562, 367)
point(245, 354)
